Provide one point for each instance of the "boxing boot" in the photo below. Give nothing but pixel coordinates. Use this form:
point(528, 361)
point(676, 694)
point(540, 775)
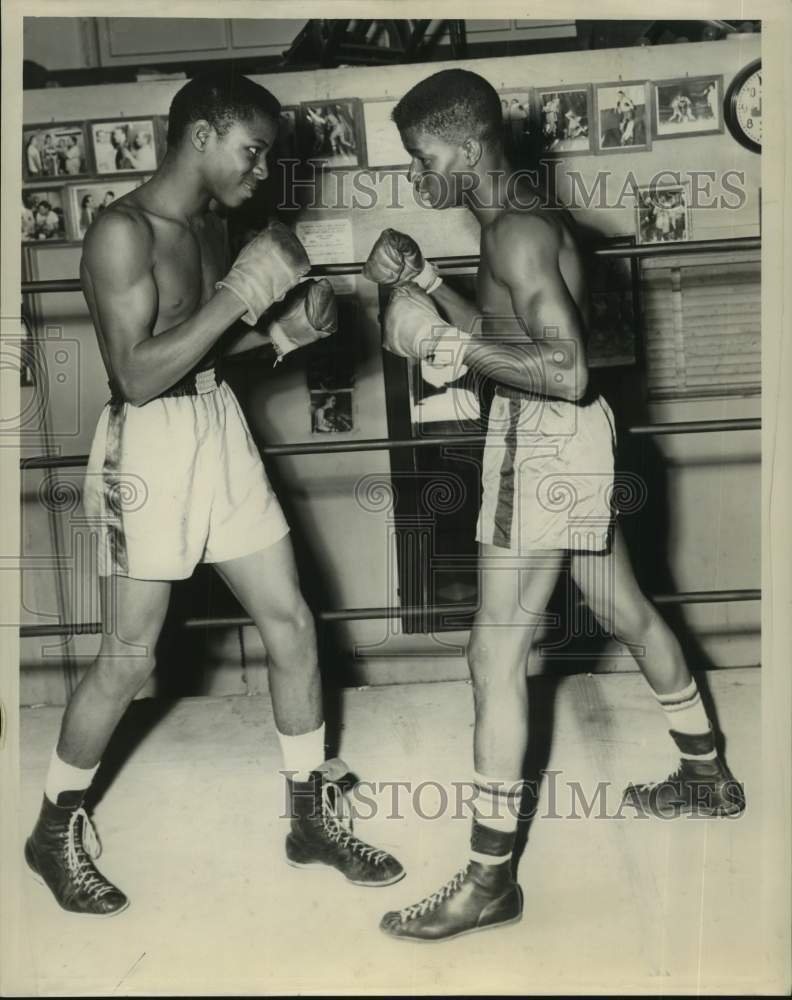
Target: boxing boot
point(60, 853)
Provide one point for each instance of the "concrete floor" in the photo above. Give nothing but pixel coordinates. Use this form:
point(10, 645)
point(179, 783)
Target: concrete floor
point(190, 833)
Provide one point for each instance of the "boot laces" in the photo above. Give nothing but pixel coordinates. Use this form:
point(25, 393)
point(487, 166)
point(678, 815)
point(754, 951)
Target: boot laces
point(337, 824)
point(432, 901)
point(674, 778)
point(81, 848)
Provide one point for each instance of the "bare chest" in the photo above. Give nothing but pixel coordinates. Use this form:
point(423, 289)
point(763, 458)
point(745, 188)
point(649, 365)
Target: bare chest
point(187, 264)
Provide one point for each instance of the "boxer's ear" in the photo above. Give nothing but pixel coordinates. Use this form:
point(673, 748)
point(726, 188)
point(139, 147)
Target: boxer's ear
point(472, 150)
point(199, 134)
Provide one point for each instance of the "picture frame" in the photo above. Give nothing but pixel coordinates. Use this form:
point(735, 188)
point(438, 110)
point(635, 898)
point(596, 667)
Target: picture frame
point(687, 106)
point(332, 412)
point(126, 145)
point(82, 212)
point(622, 119)
point(55, 150)
point(662, 214)
point(285, 146)
point(331, 133)
point(384, 150)
point(518, 111)
point(565, 119)
point(45, 215)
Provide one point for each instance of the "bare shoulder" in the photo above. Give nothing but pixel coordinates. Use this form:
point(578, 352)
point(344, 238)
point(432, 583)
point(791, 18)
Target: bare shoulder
point(122, 234)
point(527, 242)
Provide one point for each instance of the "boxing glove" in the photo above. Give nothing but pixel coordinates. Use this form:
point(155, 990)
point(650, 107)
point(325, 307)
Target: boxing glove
point(396, 258)
point(271, 264)
point(309, 314)
point(413, 328)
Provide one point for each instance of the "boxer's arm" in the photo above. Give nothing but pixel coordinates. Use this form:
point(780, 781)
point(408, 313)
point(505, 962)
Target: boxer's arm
point(553, 359)
point(117, 265)
point(459, 310)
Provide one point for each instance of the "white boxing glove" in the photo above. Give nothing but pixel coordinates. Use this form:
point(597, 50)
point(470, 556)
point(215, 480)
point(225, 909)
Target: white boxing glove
point(266, 268)
point(310, 314)
point(396, 258)
point(413, 328)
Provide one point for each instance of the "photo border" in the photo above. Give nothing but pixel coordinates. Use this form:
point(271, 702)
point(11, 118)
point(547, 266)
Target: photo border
point(593, 125)
point(59, 178)
point(655, 84)
point(620, 84)
point(159, 146)
point(656, 188)
point(357, 123)
point(63, 189)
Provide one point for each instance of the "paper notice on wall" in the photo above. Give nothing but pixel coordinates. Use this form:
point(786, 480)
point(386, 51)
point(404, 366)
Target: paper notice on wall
point(329, 241)
point(383, 143)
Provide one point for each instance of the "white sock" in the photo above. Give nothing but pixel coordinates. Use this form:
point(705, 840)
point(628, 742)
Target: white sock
point(685, 712)
point(496, 806)
point(303, 753)
point(63, 777)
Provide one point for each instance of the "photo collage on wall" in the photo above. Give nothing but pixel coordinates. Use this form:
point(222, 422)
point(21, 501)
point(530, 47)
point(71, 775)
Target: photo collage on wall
point(72, 171)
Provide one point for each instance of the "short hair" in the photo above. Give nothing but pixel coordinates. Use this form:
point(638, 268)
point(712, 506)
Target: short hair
point(221, 98)
point(454, 105)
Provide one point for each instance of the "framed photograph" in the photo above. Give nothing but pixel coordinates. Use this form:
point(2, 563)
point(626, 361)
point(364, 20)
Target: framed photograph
point(662, 214)
point(688, 106)
point(384, 148)
point(86, 201)
point(285, 145)
point(331, 133)
point(54, 151)
point(331, 412)
point(622, 117)
point(516, 106)
point(128, 145)
point(564, 118)
point(44, 215)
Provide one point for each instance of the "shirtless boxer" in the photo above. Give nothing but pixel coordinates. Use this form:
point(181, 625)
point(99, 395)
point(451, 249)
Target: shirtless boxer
point(547, 428)
point(156, 276)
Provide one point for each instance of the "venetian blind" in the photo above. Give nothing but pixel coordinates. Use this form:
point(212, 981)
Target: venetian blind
point(702, 326)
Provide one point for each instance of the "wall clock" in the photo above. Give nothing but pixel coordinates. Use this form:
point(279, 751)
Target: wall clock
point(742, 106)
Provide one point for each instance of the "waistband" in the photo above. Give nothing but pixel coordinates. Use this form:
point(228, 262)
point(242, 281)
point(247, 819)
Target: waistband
point(192, 384)
point(510, 392)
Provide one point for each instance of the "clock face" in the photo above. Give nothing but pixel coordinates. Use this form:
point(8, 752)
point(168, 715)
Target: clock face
point(748, 106)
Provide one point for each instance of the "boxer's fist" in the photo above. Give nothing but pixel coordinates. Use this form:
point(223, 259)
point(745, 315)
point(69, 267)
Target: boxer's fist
point(271, 264)
point(396, 258)
point(413, 328)
point(309, 314)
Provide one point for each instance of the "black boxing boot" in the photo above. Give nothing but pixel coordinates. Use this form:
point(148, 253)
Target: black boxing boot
point(698, 787)
point(60, 853)
point(321, 834)
point(478, 897)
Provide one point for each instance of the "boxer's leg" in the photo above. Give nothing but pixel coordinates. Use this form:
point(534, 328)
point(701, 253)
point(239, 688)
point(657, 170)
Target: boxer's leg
point(703, 784)
point(514, 592)
point(60, 848)
point(266, 584)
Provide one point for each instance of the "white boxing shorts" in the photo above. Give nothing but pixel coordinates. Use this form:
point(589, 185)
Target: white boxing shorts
point(547, 477)
point(176, 482)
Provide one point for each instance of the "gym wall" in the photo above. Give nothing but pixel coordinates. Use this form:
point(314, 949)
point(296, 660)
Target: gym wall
point(710, 482)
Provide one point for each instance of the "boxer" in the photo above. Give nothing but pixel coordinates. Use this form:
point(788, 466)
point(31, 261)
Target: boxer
point(162, 293)
point(547, 428)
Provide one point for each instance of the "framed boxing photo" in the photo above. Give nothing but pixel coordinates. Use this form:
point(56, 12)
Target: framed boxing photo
point(621, 114)
point(565, 118)
point(87, 201)
point(331, 134)
point(44, 215)
point(687, 106)
point(662, 214)
point(55, 151)
point(126, 145)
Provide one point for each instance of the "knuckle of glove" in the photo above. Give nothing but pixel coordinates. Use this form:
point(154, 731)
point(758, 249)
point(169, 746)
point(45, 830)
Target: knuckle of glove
point(321, 306)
